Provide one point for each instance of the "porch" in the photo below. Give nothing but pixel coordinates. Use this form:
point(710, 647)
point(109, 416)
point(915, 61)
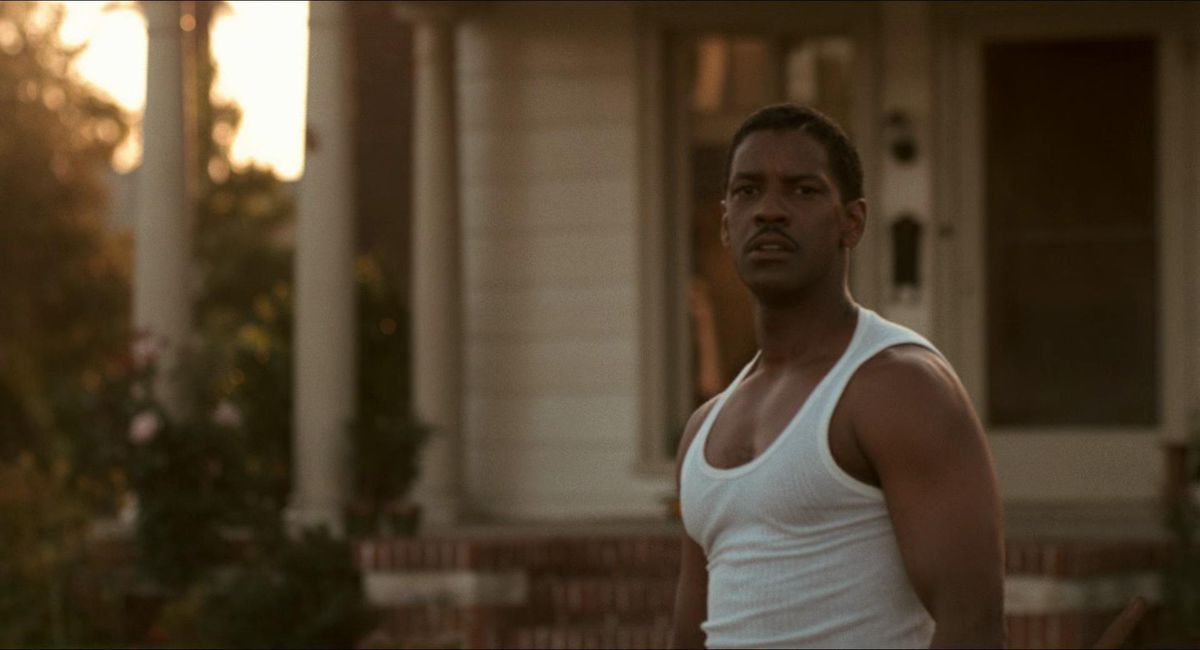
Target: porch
point(611, 584)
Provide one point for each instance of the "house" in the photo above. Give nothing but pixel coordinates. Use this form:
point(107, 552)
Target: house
point(1031, 180)
point(1032, 212)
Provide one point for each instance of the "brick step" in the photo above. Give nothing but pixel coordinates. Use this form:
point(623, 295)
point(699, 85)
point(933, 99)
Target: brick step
point(628, 555)
point(430, 626)
point(658, 555)
point(629, 598)
point(433, 627)
point(554, 590)
point(656, 635)
point(1079, 629)
point(423, 626)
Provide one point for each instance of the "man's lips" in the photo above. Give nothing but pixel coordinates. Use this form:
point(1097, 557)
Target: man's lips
point(771, 242)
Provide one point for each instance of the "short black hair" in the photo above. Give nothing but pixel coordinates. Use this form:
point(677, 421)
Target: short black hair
point(844, 162)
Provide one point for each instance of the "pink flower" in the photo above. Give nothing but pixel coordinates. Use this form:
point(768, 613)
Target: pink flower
point(146, 349)
point(143, 428)
point(227, 415)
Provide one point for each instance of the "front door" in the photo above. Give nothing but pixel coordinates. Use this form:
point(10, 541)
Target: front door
point(1062, 289)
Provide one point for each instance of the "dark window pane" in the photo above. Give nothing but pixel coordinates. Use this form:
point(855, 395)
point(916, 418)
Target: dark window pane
point(1072, 293)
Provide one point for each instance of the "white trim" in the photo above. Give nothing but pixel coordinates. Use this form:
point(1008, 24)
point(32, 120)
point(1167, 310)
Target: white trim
point(1177, 201)
point(455, 588)
point(654, 368)
point(1190, 49)
point(1023, 594)
point(1030, 594)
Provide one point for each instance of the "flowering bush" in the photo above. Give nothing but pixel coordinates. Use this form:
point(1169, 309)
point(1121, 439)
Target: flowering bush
point(290, 593)
point(1181, 576)
point(81, 401)
point(219, 462)
point(190, 477)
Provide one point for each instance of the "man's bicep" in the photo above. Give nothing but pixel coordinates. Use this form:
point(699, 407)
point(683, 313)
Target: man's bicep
point(935, 469)
point(945, 511)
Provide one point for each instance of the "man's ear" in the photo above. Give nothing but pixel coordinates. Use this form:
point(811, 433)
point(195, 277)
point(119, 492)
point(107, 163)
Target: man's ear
point(855, 223)
point(724, 225)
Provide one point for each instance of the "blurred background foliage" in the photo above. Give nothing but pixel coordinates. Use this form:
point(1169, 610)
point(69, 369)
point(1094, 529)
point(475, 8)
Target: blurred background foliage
point(64, 274)
point(64, 281)
point(43, 533)
point(82, 434)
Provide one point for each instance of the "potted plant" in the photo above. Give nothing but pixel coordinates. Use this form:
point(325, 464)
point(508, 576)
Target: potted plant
point(385, 451)
point(386, 438)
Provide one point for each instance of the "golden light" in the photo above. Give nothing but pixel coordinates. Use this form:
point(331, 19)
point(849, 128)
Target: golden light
point(261, 50)
point(114, 60)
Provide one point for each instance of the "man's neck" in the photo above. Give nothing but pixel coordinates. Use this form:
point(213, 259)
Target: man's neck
point(804, 329)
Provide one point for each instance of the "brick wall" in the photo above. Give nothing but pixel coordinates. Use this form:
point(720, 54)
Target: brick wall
point(617, 591)
point(1082, 587)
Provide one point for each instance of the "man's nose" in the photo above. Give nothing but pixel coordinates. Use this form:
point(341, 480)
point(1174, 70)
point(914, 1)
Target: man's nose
point(770, 210)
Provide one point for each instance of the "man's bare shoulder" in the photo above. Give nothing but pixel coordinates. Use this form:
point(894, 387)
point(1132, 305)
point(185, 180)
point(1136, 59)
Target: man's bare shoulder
point(909, 390)
point(904, 372)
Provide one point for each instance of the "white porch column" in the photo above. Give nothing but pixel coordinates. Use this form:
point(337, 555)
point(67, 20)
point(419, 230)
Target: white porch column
point(325, 387)
point(163, 228)
point(437, 334)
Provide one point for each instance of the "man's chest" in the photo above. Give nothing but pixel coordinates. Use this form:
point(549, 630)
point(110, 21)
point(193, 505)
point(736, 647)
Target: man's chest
point(756, 414)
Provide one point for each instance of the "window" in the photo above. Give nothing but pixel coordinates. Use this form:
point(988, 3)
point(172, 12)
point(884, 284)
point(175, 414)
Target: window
point(717, 80)
point(1072, 287)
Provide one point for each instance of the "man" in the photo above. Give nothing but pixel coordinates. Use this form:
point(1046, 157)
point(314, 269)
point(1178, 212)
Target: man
point(839, 493)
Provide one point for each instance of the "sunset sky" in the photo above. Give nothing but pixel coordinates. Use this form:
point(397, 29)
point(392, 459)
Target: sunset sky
point(261, 50)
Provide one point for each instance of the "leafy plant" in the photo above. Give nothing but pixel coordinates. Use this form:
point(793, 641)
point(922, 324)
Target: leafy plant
point(386, 453)
point(255, 375)
point(43, 535)
point(293, 593)
point(386, 438)
point(1181, 576)
point(190, 476)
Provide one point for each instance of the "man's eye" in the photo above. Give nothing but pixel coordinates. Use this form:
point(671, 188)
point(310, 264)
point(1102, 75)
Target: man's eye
point(744, 190)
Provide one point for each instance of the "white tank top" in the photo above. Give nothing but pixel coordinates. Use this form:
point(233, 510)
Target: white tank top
point(801, 554)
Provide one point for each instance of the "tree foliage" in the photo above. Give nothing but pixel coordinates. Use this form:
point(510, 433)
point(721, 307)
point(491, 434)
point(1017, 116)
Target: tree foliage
point(64, 274)
point(72, 388)
point(244, 254)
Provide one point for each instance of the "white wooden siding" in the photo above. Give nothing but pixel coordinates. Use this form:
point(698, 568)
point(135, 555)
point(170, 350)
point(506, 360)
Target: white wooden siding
point(548, 121)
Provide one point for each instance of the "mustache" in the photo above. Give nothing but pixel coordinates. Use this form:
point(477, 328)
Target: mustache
point(771, 229)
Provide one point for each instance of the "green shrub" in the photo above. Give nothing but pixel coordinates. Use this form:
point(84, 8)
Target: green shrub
point(43, 535)
point(293, 593)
